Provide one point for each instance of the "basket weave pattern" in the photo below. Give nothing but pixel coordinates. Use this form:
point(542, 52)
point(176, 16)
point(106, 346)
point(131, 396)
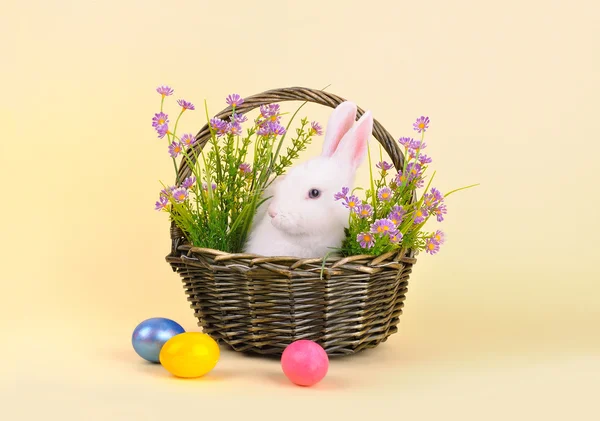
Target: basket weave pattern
point(261, 304)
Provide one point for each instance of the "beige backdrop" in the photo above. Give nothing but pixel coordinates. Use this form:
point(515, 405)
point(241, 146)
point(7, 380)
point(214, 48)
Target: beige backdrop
point(502, 323)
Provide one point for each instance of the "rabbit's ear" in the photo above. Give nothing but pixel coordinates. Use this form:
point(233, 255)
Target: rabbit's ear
point(341, 120)
point(353, 146)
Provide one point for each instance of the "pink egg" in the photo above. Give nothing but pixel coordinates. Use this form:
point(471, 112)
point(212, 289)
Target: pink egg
point(304, 362)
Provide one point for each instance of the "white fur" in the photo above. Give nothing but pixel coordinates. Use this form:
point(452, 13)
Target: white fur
point(293, 224)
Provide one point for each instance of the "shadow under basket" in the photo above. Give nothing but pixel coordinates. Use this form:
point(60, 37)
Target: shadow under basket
point(260, 305)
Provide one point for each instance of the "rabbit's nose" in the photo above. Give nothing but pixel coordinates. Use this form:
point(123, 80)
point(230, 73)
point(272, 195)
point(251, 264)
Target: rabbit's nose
point(271, 211)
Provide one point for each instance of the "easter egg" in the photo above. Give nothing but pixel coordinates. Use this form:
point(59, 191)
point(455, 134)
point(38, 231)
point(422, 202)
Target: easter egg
point(304, 362)
point(190, 354)
point(150, 335)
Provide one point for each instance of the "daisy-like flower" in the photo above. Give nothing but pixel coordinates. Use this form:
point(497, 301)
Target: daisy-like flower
point(167, 192)
point(384, 166)
point(439, 212)
point(245, 168)
point(414, 170)
point(159, 119)
point(431, 246)
point(164, 90)
point(162, 130)
point(180, 195)
point(239, 118)
point(424, 159)
point(364, 210)
point(343, 194)
point(417, 145)
point(352, 202)
point(188, 182)
point(420, 215)
point(218, 125)
point(270, 112)
point(384, 193)
point(175, 149)
point(188, 139)
point(433, 199)
point(186, 105)
point(213, 186)
point(397, 215)
point(401, 179)
point(234, 128)
point(366, 240)
point(422, 124)
point(277, 129)
point(396, 238)
point(234, 100)
point(439, 237)
point(405, 141)
point(384, 226)
point(162, 203)
point(315, 129)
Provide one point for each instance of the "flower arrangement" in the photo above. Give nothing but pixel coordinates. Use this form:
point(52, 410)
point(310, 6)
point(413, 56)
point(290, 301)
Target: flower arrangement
point(387, 219)
point(215, 205)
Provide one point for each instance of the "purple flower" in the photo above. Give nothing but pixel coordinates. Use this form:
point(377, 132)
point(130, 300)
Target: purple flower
point(186, 105)
point(159, 119)
point(431, 246)
point(234, 128)
point(439, 212)
point(218, 125)
point(420, 215)
point(384, 166)
point(396, 237)
point(405, 141)
point(162, 203)
point(352, 202)
point(342, 194)
point(164, 90)
point(366, 240)
point(162, 130)
point(270, 112)
point(421, 124)
point(245, 168)
point(414, 170)
point(213, 186)
point(364, 210)
point(439, 237)
point(315, 129)
point(417, 145)
point(397, 215)
point(239, 118)
point(269, 128)
point(400, 179)
point(431, 200)
point(384, 193)
point(234, 100)
point(188, 139)
point(180, 195)
point(167, 192)
point(175, 149)
point(424, 159)
point(188, 182)
point(384, 226)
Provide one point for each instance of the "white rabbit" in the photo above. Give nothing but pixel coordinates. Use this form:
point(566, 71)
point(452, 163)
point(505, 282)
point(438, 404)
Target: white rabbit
point(302, 218)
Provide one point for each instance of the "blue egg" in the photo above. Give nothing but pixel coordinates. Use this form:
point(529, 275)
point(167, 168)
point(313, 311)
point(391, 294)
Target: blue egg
point(150, 335)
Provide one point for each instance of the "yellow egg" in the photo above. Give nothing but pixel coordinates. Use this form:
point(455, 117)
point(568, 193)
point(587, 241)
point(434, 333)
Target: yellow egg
point(190, 354)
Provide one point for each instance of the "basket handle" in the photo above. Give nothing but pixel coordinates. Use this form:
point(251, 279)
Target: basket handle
point(273, 96)
point(292, 94)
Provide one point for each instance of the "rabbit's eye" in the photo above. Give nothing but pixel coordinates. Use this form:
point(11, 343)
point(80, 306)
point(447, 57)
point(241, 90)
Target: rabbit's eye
point(314, 193)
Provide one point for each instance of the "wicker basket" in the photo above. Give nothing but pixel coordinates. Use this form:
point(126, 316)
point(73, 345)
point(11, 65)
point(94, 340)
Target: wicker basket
point(259, 304)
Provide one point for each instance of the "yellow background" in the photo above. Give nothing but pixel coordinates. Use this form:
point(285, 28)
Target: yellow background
point(502, 324)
